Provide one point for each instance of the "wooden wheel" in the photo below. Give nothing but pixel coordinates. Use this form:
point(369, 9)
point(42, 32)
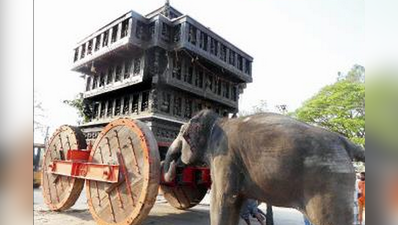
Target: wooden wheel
point(131, 145)
point(183, 197)
point(61, 192)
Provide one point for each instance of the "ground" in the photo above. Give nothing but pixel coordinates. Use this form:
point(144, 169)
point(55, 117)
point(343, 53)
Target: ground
point(162, 213)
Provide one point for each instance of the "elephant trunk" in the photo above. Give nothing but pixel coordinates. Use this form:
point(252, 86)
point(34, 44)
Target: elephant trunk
point(170, 163)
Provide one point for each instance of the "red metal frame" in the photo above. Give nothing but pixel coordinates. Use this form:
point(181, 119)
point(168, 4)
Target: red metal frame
point(77, 165)
point(77, 155)
point(189, 176)
point(86, 170)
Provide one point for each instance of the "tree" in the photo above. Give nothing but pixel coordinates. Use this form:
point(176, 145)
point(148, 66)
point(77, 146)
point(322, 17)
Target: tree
point(262, 106)
point(282, 109)
point(82, 109)
point(339, 107)
point(356, 74)
point(38, 115)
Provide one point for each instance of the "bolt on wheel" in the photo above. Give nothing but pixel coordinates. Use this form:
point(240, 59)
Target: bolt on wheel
point(61, 192)
point(132, 145)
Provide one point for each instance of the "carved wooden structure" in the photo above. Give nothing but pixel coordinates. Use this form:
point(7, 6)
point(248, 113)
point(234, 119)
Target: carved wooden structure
point(160, 68)
point(146, 76)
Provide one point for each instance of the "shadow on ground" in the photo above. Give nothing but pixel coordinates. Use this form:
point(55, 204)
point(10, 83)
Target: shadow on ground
point(165, 215)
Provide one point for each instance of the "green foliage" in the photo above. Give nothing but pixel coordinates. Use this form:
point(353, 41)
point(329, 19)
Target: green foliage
point(78, 104)
point(356, 74)
point(339, 107)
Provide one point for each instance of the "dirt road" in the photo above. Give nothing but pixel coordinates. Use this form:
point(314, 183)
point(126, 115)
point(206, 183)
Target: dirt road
point(161, 214)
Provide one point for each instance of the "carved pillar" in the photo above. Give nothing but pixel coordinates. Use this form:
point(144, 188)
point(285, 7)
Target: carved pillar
point(153, 100)
point(106, 71)
point(93, 45)
point(171, 68)
point(156, 63)
point(158, 30)
point(119, 31)
point(140, 102)
point(81, 47)
point(171, 111)
point(142, 65)
point(88, 83)
point(76, 54)
point(198, 38)
point(106, 108)
point(92, 84)
point(227, 55)
point(182, 107)
point(194, 75)
point(218, 49)
point(101, 40)
point(130, 111)
point(130, 27)
point(183, 67)
point(122, 105)
point(243, 64)
point(113, 102)
point(110, 36)
point(113, 75)
point(236, 61)
point(98, 116)
point(208, 43)
point(184, 32)
point(122, 71)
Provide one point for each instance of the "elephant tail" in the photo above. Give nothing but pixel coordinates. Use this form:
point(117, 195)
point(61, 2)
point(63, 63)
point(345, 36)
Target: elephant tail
point(356, 152)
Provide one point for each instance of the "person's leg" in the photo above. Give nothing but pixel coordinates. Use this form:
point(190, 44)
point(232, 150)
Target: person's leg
point(253, 210)
point(361, 204)
point(260, 218)
point(364, 209)
point(247, 220)
point(245, 212)
point(355, 212)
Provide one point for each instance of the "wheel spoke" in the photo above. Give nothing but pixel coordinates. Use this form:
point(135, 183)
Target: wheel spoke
point(133, 196)
point(61, 192)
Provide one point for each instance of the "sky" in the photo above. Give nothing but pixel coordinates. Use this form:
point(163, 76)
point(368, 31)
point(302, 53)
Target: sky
point(298, 46)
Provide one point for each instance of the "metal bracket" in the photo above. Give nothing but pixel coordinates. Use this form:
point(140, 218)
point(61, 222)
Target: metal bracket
point(77, 165)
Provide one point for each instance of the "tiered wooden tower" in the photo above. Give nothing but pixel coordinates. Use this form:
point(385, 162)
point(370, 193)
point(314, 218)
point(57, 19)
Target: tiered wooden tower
point(160, 68)
point(155, 72)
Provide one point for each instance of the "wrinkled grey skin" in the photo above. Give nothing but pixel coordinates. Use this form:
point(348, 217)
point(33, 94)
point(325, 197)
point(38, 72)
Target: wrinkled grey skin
point(173, 156)
point(271, 158)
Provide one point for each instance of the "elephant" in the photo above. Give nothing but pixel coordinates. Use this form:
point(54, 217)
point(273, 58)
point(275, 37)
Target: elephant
point(272, 158)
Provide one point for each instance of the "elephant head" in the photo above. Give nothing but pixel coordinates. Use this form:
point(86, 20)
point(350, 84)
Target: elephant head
point(190, 146)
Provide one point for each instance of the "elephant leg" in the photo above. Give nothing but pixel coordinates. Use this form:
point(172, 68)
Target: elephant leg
point(333, 206)
point(322, 211)
point(225, 200)
point(225, 208)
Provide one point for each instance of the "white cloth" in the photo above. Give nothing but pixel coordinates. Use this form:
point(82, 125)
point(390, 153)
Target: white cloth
point(356, 211)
